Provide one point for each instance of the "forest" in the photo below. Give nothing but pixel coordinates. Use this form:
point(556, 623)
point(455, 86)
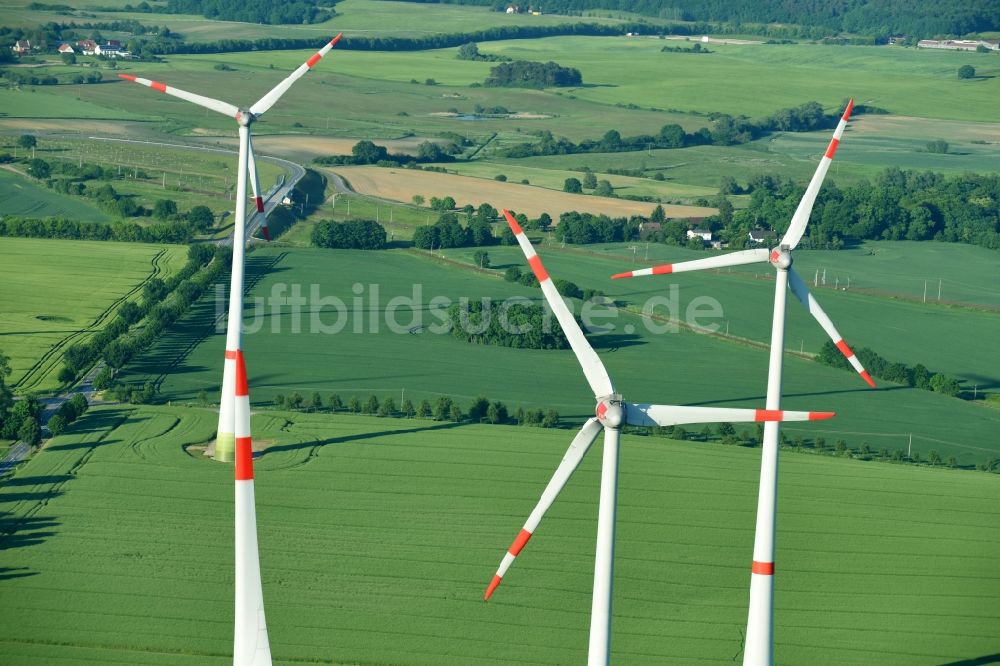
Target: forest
point(924, 18)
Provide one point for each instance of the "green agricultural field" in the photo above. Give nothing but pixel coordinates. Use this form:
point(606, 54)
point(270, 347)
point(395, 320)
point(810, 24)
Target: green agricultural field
point(58, 292)
point(60, 102)
point(25, 197)
point(354, 351)
point(898, 328)
point(378, 537)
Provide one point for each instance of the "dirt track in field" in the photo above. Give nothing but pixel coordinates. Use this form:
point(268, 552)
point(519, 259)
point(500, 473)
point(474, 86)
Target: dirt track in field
point(402, 184)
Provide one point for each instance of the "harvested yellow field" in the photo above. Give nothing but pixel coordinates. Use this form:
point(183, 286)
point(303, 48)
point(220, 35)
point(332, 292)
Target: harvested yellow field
point(403, 184)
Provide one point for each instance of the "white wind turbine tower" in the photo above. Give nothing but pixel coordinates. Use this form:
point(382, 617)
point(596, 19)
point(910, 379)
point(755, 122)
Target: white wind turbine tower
point(759, 647)
point(611, 413)
point(233, 441)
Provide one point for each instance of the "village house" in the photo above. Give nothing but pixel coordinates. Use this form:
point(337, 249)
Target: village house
point(705, 234)
point(87, 46)
point(66, 48)
point(757, 235)
point(22, 46)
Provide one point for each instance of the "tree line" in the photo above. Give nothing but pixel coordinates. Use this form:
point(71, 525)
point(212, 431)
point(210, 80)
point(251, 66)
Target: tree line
point(448, 232)
point(271, 12)
point(481, 409)
point(917, 376)
point(368, 152)
point(139, 324)
point(726, 130)
point(816, 19)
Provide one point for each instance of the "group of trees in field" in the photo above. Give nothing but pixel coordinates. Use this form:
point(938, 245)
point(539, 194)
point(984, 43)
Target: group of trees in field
point(726, 130)
point(519, 325)
point(917, 376)
point(471, 51)
point(448, 232)
point(349, 235)
point(444, 408)
point(162, 303)
point(586, 228)
point(896, 205)
point(530, 74)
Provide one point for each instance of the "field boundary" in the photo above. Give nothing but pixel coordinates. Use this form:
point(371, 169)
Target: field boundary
point(47, 359)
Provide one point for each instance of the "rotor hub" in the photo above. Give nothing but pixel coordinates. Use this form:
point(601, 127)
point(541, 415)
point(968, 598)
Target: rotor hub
point(781, 257)
point(244, 118)
point(611, 412)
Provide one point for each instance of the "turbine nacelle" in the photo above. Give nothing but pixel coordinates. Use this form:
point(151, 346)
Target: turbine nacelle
point(245, 118)
point(610, 411)
point(781, 257)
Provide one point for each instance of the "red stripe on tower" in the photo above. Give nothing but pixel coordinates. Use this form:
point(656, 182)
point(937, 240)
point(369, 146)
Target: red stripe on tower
point(844, 349)
point(244, 459)
point(768, 415)
point(156, 85)
point(763, 568)
point(519, 542)
point(847, 111)
point(242, 390)
point(536, 267)
point(666, 269)
point(832, 148)
point(260, 204)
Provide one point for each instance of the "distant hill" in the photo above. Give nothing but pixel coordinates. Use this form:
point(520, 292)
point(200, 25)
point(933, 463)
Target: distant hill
point(922, 18)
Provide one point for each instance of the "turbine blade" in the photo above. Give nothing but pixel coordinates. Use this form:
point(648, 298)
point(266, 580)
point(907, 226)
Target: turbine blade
point(590, 362)
point(801, 291)
point(268, 100)
point(732, 259)
point(669, 415)
point(580, 445)
point(797, 227)
point(255, 182)
point(224, 108)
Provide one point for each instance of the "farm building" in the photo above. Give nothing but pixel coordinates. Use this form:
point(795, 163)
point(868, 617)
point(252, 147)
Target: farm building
point(87, 46)
point(66, 48)
point(705, 234)
point(22, 46)
point(757, 235)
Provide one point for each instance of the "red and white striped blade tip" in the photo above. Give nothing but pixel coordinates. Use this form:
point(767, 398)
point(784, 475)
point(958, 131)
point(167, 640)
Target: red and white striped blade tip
point(619, 276)
point(493, 586)
point(779, 415)
point(267, 234)
point(847, 111)
point(260, 204)
point(868, 378)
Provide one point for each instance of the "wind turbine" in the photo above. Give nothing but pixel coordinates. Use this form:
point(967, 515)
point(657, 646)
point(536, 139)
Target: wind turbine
point(250, 644)
point(759, 644)
point(612, 411)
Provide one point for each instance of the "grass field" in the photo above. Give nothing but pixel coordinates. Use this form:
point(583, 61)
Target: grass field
point(57, 292)
point(117, 549)
point(364, 358)
point(25, 197)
